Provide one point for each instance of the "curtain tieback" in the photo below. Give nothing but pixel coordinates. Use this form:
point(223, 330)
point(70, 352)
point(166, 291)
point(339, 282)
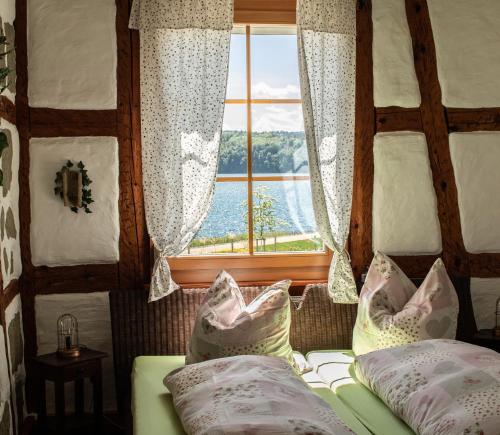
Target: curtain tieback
point(162, 283)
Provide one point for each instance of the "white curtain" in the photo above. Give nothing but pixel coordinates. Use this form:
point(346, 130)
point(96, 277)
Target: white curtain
point(184, 63)
point(326, 31)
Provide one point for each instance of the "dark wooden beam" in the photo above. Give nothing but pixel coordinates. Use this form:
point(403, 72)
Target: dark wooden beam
point(360, 240)
point(465, 120)
point(23, 127)
point(389, 119)
point(484, 265)
point(436, 131)
point(131, 264)
point(415, 266)
point(10, 292)
point(265, 12)
point(54, 122)
point(7, 109)
point(84, 278)
point(143, 239)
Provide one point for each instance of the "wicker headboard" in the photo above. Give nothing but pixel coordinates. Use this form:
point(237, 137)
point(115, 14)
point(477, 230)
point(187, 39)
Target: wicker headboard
point(164, 327)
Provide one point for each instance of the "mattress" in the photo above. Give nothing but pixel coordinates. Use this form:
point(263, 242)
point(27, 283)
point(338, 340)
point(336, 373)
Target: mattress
point(154, 413)
point(334, 369)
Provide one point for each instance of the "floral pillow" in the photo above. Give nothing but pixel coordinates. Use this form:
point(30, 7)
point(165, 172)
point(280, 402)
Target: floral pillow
point(248, 395)
point(225, 326)
point(437, 386)
point(392, 311)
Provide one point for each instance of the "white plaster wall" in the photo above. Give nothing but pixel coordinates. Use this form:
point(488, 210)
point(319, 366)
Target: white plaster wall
point(8, 10)
point(2, 408)
point(394, 78)
point(405, 220)
point(72, 54)
point(60, 237)
point(485, 292)
point(11, 201)
point(8, 14)
point(18, 373)
point(476, 163)
point(94, 325)
point(467, 39)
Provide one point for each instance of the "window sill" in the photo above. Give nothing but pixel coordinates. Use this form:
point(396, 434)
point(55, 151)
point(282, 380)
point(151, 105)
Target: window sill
point(259, 269)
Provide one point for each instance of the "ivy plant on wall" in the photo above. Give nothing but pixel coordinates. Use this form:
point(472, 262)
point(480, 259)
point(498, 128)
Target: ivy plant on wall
point(63, 188)
point(4, 70)
point(4, 143)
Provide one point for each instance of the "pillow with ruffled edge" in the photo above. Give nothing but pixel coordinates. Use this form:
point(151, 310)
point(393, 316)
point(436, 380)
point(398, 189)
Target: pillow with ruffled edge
point(226, 326)
point(392, 311)
point(249, 394)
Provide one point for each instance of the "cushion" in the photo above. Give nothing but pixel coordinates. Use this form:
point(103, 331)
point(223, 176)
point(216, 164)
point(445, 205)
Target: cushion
point(437, 386)
point(249, 394)
point(392, 311)
point(225, 326)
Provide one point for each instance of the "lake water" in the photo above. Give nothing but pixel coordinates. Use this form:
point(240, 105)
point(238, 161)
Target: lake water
point(292, 205)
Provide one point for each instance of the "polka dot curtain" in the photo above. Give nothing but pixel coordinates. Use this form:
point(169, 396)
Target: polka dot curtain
point(184, 64)
point(326, 31)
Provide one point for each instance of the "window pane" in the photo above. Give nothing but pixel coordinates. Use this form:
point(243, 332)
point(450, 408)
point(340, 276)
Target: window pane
point(274, 65)
point(278, 141)
point(225, 229)
point(233, 147)
point(236, 80)
point(283, 217)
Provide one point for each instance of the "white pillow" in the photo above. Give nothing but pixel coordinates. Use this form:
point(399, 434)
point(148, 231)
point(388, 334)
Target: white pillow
point(392, 311)
point(225, 326)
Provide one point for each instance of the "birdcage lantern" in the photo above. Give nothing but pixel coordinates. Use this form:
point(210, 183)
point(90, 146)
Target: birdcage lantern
point(67, 336)
point(496, 331)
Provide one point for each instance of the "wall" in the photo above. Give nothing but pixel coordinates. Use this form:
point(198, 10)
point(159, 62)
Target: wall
point(409, 109)
point(428, 140)
point(78, 111)
point(12, 371)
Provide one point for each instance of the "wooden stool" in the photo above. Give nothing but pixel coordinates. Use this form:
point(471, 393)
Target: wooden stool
point(59, 370)
point(486, 338)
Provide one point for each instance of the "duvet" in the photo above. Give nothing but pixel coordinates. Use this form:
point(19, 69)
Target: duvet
point(249, 395)
point(437, 386)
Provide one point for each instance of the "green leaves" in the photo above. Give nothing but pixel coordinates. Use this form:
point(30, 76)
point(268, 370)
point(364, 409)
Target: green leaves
point(4, 71)
point(86, 181)
point(4, 143)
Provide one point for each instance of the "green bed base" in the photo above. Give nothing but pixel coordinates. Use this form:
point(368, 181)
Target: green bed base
point(154, 413)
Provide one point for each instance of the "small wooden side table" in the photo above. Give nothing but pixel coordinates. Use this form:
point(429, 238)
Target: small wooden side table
point(51, 367)
point(486, 338)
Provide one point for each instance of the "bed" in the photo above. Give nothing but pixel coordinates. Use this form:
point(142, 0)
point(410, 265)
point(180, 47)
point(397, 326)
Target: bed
point(164, 328)
point(154, 413)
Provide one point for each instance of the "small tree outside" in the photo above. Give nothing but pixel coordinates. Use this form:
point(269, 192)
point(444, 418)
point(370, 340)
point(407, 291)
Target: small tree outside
point(264, 214)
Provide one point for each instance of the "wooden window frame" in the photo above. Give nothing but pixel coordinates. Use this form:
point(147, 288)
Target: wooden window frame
point(254, 268)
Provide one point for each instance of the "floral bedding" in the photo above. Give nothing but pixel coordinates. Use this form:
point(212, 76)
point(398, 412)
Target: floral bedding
point(249, 394)
point(437, 386)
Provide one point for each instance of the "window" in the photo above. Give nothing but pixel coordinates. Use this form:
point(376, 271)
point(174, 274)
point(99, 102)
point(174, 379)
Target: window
point(262, 204)
point(261, 217)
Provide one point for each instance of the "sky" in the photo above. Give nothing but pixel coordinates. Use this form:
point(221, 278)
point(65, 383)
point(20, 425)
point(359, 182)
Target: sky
point(274, 74)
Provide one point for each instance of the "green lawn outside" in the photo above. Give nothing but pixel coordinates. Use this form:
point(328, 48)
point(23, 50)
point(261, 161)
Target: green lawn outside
point(298, 245)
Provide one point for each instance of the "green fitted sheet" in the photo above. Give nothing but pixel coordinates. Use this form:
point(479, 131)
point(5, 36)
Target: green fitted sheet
point(370, 409)
point(153, 410)
point(336, 370)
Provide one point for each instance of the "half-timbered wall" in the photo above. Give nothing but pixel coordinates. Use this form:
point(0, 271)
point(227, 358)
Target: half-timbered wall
point(428, 140)
point(12, 371)
point(78, 98)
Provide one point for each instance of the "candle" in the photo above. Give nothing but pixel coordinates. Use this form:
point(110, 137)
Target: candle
point(68, 341)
